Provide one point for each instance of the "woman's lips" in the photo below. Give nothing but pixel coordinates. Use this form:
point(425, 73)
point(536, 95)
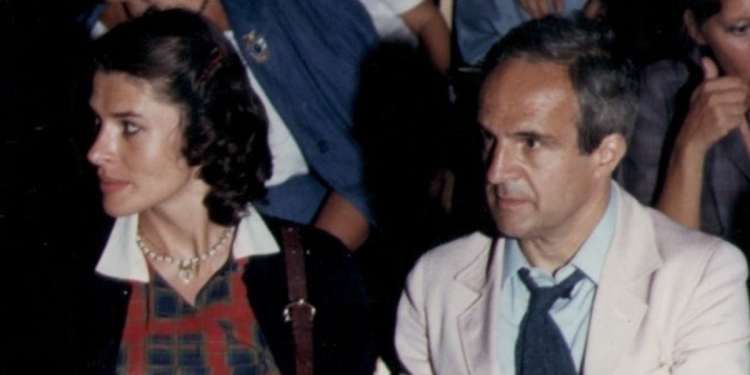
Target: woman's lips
point(109, 185)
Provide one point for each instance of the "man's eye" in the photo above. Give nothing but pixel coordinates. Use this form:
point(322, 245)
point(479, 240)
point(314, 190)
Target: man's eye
point(532, 142)
point(487, 138)
point(488, 141)
point(129, 128)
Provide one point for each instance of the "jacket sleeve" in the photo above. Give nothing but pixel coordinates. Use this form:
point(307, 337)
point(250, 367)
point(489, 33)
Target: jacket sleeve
point(411, 326)
point(713, 333)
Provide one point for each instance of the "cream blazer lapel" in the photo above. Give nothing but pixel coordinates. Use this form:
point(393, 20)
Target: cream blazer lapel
point(620, 302)
point(478, 323)
point(619, 305)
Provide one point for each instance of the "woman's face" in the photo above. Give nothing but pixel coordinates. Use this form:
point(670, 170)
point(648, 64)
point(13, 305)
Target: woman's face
point(137, 151)
point(728, 35)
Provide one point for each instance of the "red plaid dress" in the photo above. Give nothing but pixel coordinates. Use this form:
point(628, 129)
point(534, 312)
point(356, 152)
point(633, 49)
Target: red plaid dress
point(164, 334)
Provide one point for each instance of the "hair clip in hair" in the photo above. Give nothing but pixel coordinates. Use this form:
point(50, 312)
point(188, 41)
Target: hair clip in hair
point(211, 66)
point(256, 46)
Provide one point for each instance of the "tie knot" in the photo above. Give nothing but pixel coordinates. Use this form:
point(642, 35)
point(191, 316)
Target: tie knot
point(542, 298)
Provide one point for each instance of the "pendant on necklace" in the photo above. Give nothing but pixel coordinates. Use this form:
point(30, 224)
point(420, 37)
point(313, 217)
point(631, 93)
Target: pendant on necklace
point(187, 271)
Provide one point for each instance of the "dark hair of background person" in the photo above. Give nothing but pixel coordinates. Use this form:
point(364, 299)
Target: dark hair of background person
point(192, 65)
point(646, 30)
point(703, 9)
point(606, 83)
point(652, 30)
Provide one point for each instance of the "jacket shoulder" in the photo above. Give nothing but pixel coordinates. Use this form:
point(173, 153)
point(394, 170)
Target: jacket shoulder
point(690, 249)
point(444, 261)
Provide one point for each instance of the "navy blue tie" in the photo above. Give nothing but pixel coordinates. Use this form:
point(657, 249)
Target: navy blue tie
point(540, 347)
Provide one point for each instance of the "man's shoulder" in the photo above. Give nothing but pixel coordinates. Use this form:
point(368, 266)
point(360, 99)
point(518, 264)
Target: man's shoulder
point(689, 249)
point(455, 255)
point(459, 249)
point(647, 237)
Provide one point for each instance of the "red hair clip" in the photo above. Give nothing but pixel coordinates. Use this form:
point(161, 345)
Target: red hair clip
point(211, 66)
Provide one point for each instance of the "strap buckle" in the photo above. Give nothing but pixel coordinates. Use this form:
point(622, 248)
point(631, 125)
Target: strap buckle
point(298, 303)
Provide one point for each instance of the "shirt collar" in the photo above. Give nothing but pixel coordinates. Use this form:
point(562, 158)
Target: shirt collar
point(590, 256)
point(123, 259)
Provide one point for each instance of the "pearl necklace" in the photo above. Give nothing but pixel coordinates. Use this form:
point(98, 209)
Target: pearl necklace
point(187, 267)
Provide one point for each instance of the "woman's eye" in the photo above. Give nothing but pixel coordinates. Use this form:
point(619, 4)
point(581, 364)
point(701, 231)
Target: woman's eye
point(739, 29)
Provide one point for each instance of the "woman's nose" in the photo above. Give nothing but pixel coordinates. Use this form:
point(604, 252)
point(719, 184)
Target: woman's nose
point(101, 150)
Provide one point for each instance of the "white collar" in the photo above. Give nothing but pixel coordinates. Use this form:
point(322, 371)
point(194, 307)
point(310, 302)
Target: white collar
point(122, 259)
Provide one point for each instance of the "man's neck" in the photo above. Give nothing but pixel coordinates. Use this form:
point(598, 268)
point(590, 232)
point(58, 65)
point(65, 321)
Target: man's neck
point(556, 249)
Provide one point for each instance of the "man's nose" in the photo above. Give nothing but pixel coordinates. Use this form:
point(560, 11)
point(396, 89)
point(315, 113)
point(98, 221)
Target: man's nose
point(501, 163)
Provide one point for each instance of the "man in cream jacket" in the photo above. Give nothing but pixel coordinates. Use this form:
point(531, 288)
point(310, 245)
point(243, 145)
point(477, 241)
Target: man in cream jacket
point(647, 295)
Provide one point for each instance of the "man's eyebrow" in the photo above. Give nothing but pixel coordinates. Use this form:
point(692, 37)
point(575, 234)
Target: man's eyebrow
point(532, 134)
point(125, 114)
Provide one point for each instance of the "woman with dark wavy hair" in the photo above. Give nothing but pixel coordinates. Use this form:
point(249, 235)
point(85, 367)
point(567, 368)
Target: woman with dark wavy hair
point(192, 278)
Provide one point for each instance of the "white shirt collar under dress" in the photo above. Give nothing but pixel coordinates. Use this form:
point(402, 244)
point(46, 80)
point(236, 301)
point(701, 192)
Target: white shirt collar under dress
point(123, 259)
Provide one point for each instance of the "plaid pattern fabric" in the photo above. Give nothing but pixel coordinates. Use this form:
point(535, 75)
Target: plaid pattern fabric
point(164, 334)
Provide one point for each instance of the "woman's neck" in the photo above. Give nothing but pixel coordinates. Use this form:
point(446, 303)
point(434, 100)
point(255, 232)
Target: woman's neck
point(181, 230)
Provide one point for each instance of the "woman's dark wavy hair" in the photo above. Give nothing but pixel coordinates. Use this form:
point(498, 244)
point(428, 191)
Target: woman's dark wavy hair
point(192, 65)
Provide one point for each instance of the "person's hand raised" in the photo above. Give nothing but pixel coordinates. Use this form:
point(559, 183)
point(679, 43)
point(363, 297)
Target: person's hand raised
point(717, 106)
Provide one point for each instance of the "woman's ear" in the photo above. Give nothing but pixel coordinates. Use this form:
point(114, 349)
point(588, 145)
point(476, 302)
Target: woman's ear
point(692, 28)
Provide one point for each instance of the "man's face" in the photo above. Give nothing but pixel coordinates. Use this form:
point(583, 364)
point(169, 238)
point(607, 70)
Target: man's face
point(538, 181)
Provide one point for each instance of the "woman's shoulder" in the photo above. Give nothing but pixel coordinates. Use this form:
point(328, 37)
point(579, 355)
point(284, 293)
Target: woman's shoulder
point(328, 263)
point(336, 289)
point(668, 76)
point(316, 243)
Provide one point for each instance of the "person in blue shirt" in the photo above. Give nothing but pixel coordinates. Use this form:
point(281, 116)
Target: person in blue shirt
point(481, 23)
point(304, 60)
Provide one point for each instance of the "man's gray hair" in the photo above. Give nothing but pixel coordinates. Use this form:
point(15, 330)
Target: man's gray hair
point(606, 84)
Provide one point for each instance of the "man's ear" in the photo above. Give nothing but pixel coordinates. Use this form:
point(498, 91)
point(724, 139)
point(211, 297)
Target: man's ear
point(609, 154)
point(688, 18)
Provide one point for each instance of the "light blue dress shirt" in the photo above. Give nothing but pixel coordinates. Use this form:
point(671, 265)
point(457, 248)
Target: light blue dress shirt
point(481, 23)
point(571, 315)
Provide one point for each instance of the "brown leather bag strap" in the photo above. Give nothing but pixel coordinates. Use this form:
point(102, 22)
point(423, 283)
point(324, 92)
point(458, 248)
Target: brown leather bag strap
point(299, 312)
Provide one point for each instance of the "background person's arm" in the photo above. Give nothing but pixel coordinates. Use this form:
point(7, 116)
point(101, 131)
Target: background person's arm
point(717, 107)
point(427, 23)
point(342, 219)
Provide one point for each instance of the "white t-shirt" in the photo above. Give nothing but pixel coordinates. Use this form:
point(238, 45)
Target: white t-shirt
point(385, 15)
point(285, 153)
